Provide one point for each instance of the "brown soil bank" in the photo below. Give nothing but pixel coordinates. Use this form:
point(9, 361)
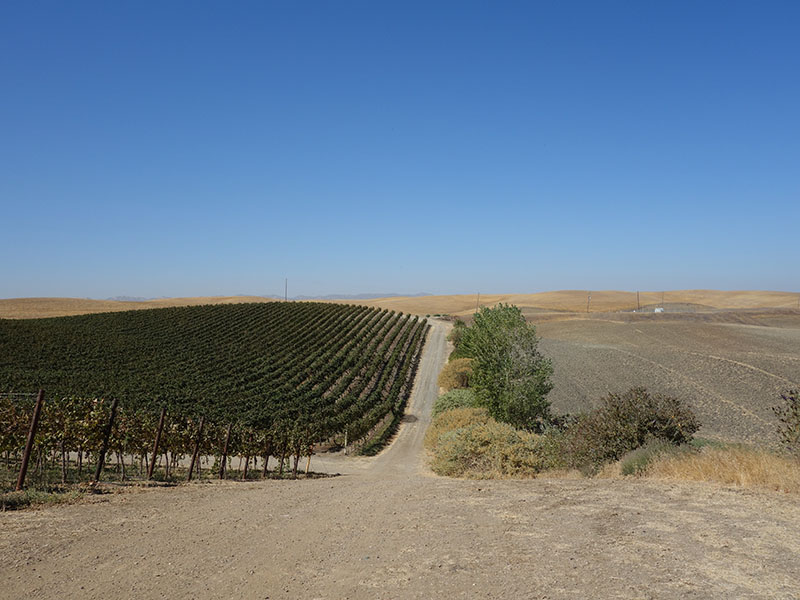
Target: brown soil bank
point(388, 529)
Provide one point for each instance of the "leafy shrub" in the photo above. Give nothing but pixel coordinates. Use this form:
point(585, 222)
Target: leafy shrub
point(455, 374)
point(455, 399)
point(789, 420)
point(493, 449)
point(456, 332)
point(625, 422)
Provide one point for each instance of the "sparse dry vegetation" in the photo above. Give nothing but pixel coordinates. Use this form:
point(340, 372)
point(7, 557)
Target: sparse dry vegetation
point(632, 434)
point(451, 420)
point(455, 374)
point(635, 426)
point(35, 497)
point(735, 465)
point(466, 442)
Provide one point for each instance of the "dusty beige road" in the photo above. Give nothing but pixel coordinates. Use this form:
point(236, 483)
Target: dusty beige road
point(389, 529)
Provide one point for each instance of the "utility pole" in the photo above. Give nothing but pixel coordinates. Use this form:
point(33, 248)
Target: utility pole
point(588, 300)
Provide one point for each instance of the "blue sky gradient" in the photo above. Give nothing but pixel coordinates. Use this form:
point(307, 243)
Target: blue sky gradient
point(204, 148)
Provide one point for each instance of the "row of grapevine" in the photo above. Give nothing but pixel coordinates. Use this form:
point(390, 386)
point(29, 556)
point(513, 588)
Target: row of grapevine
point(281, 376)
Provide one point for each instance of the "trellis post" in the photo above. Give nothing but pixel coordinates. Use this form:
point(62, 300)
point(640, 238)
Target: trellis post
point(196, 448)
point(101, 459)
point(157, 442)
point(224, 463)
point(26, 455)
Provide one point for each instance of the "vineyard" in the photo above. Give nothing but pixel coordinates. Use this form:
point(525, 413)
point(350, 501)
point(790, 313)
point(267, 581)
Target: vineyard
point(247, 380)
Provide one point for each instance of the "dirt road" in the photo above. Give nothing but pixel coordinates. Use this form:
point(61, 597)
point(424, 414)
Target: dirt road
point(389, 529)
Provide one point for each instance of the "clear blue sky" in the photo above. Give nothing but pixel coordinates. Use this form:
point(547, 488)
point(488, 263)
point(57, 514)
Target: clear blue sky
point(198, 148)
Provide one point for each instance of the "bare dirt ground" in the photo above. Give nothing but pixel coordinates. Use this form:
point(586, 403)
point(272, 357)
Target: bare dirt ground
point(389, 529)
point(730, 373)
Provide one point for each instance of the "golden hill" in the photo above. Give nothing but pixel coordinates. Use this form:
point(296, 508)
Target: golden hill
point(461, 305)
point(601, 301)
point(31, 308)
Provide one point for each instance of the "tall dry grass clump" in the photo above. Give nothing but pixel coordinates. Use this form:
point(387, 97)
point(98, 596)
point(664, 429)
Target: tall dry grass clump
point(453, 419)
point(737, 465)
point(455, 374)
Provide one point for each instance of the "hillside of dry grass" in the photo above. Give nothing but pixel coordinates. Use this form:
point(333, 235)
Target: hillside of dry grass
point(575, 301)
point(544, 305)
point(32, 308)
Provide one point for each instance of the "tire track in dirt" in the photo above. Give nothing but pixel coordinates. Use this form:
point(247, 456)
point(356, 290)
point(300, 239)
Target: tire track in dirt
point(695, 384)
point(732, 374)
point(746, 365)
point(722, 358)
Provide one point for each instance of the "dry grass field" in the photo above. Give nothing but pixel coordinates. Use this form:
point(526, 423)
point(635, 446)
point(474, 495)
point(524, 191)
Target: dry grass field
point(32, 308)
point(559, 304)
point(575, 301)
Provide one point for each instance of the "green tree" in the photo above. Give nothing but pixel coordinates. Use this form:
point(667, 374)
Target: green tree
point(459, 327)
point(510, 376)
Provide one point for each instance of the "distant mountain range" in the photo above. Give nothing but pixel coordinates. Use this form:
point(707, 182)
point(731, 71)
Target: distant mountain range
point(327, 297)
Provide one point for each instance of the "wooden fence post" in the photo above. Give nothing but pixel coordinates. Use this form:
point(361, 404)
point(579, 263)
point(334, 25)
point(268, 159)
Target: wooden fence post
point(26, 455)
point(101, 459)
point(196, 448)
point(157, 442)
point(223, 467)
